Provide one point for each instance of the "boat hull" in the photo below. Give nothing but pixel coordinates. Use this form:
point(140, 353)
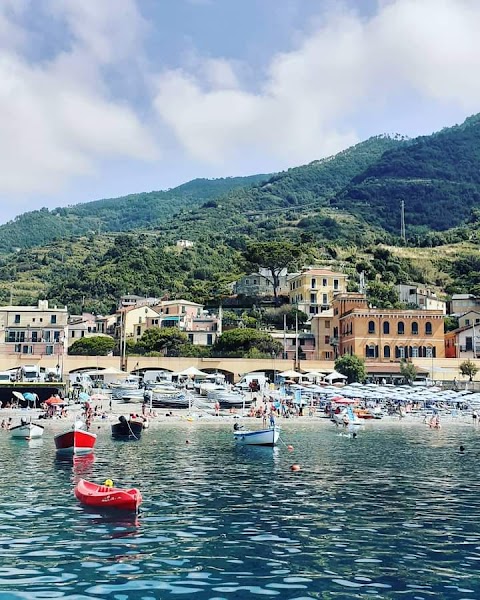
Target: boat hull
point(100, 496)
point(75, 442)
point(29, 431)
point(127, 430)
point(262, 437)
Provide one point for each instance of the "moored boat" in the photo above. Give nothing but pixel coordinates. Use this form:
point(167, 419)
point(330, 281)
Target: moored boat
point(104, 496)
point(127, 429)
point(26, 431)
point(260, 437)
point(75, 441)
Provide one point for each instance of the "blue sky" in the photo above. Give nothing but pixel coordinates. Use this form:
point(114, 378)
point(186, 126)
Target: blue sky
point(101, 98)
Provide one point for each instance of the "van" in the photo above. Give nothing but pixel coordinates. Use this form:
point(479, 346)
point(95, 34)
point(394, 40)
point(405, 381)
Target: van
point(252, 382)
point(6, 376)
point(31, 374)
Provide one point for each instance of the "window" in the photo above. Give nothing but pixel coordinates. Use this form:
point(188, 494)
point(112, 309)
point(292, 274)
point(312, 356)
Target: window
point(314, 283)
point(327, 339)
point(255, 282)
point(301, 342)
point(327, 324)
point(429, 353)
point(49, 349)
point(467, 321)
point(313, 298)
point(414, 328)
point(371, 327)
point(428, 328)
point(72, 334)
point(324, 298)
point(56, 336)
point(386, 328)
point(414, 353)
point(370, 351)
point(17, 318)
point(190, 338)
point(48, 338)
point(34, 336)
point(18, 348)
point(27, 350)
point(324, 282)
point(53, 319)
point(139, 330)
point(335, 284)
point(209, 339)
point(401, 328)
point(386, 352)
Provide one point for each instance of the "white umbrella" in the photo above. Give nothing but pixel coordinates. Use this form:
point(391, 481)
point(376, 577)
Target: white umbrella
point(191, 372)
point(335, 375)
point(290, 374)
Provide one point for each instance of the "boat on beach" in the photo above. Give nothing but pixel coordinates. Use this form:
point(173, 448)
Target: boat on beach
point(76, 440)
point(260, 437)
point(26, 431)
point(127, 429)
point(104, 496)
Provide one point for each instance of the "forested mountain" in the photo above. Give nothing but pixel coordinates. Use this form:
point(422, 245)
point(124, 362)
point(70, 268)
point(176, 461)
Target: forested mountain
point(136, 211)
point(343, 211)
point(438, 178)
point(289, 203)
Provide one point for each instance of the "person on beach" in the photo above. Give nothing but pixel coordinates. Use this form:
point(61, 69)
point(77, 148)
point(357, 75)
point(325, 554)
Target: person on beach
point(272, 419)
point(217, 408)
point(475, 417)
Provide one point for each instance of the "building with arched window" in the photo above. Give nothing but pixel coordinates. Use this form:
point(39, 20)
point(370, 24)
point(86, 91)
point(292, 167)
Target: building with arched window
point(383, 335)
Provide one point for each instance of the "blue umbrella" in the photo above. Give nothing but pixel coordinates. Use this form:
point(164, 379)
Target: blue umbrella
point(83, 397)
point(30, 397)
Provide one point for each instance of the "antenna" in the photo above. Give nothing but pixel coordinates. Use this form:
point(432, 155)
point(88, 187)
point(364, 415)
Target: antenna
point(402, 220)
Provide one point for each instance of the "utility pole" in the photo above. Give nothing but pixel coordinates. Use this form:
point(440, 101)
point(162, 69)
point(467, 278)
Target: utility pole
point(402, 220)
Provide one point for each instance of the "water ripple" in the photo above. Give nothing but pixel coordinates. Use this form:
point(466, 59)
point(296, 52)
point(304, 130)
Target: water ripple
point(392, 514)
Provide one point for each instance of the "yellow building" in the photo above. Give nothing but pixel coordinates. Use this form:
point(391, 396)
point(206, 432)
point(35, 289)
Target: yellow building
point(322, 329)
point(313, 289)
point(388, 335)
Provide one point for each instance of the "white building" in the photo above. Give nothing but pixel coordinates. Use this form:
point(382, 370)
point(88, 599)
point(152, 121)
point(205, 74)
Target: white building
point(421, 297)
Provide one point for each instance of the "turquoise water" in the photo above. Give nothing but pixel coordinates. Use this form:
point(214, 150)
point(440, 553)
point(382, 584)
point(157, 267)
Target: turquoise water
point(393, 513)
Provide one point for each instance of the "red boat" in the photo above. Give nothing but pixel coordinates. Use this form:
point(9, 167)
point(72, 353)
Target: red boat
point(103, 496)
point(75, 441)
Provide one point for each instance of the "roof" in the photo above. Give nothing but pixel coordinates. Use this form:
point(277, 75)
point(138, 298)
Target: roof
point(173, 302)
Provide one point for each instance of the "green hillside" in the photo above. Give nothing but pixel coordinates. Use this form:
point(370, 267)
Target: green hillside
point(290, 203)
point(438, 178)
point(342, 211)
point(128, 213)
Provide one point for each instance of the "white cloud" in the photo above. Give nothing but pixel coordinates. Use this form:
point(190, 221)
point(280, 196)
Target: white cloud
point(56, 117)
point(348, 66)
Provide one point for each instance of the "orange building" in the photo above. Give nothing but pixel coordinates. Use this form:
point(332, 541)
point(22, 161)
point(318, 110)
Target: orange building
point(384, 334)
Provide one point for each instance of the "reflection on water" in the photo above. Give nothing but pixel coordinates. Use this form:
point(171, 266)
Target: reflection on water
point(392, 513)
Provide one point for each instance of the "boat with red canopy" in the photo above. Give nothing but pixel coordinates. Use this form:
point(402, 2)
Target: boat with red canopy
point(107, 496)
point(75, 441)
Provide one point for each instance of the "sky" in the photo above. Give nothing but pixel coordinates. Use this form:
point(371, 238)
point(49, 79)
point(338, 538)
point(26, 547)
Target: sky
point(102, 98)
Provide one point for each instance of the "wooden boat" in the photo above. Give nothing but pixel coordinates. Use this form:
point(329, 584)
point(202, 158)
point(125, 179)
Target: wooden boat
point(127, 430)
point(26, 431)
point(75, 441)
point(102, 496)
point(260, 437)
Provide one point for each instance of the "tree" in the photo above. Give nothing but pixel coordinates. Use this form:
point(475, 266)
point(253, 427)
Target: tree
point(408, 371)
point(273, 256)
point(242, 341)
point(168, 340)
point(468, 369)
point(351, 366)
point(92, 346)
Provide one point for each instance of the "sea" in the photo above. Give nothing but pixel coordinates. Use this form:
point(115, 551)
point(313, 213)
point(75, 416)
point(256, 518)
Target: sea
point(393, 512)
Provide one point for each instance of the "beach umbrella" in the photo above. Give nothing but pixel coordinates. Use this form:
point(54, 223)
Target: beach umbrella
point(83, 397)
point(19, 396)
point(290, 374)
point(191, 372)
point(335, 375)
point(54, 400)
point(30, 397)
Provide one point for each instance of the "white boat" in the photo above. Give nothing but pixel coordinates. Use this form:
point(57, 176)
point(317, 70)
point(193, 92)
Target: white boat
point(26, 431)
point(260, 437)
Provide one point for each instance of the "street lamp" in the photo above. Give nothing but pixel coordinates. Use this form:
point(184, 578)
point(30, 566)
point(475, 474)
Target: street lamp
point(273, 359)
